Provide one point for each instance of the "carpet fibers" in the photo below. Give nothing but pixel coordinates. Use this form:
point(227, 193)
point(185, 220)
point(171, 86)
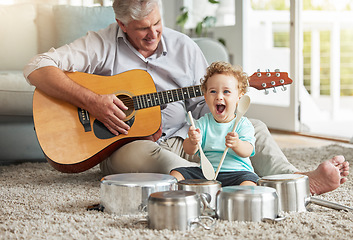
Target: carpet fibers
point(38, 202)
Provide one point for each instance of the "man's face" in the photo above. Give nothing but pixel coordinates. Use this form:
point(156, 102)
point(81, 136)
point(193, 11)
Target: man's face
point(145, 34)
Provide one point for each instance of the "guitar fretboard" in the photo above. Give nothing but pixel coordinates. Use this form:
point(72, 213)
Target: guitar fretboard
point(164, 97)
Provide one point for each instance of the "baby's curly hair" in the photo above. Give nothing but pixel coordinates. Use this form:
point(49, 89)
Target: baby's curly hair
point(227, 69)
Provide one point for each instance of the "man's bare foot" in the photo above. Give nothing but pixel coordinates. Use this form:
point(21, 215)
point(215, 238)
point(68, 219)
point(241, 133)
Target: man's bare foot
point(328, 176)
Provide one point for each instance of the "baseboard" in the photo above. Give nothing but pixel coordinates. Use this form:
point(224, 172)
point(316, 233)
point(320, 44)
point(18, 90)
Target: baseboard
point(311, 135)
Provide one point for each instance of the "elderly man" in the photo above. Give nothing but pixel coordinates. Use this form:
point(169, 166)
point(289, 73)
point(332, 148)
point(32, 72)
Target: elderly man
point(139, 41)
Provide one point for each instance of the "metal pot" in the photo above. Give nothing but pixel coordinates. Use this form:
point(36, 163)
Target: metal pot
point(294, 193)
point(210, 187)
point(175, 210)
point(247, 203)
point(128, 193)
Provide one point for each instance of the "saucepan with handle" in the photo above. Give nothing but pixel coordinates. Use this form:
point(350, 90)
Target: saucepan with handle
point(127, 193)
point(203, 186)
point(294, 193)
point(176, 210)
point(247, 203)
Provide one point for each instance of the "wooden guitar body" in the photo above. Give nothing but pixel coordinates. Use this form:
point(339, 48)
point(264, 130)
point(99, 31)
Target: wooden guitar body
point(62, 137)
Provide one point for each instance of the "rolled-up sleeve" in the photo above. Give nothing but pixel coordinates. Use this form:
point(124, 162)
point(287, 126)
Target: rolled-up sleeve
point(39, 61)
point(86, 54)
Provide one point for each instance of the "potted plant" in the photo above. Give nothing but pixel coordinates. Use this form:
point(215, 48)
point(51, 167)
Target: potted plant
point(201, 29)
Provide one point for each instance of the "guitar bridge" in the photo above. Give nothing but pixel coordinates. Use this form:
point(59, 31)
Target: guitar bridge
point(83, 115)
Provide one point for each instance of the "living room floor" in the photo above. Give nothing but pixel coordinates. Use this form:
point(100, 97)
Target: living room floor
point(287, 140)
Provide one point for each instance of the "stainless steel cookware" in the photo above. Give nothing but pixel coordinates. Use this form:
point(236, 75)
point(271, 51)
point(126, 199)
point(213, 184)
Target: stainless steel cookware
point(294, 193)
point(175, 210)
point(247, 203)
point(200, 186)
point(128, 193)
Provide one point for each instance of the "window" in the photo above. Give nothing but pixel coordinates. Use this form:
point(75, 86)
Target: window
point(224, 12)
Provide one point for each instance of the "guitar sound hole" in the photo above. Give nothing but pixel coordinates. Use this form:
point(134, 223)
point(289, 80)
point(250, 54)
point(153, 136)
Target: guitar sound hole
point(127, 100)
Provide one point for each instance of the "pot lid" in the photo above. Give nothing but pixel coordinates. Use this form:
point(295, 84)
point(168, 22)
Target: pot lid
point(199, 182)
point(283, 177)
point(172, 194)
point(139, 179)
point(248, 190)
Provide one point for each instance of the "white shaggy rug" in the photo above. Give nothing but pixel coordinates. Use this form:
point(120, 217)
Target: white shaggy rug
point(38, 202)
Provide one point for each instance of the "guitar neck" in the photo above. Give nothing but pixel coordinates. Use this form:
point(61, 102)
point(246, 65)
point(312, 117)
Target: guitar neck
point(259, 80)
point(164, 97)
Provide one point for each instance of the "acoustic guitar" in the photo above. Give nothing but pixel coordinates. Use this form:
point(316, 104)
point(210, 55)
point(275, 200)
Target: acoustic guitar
point(73, 141)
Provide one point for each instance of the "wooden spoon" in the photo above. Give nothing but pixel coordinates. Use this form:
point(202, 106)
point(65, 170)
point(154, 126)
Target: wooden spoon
point(243, 106)
point(206, 166)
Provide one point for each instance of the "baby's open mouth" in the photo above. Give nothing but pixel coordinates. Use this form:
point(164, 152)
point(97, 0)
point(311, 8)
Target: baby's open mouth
point(220, 108)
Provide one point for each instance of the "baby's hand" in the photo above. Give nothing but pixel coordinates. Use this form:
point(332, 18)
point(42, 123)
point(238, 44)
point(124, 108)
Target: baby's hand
point(194, 135)
point(232, 140)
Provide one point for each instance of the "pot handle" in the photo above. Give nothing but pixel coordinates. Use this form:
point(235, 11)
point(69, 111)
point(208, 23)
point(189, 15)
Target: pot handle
point(205, 201)
point(198, 221)
point(328, 204)
point(277, 219)
point(141, 221)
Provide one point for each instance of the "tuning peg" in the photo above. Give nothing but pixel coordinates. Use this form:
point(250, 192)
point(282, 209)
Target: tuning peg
point(284, 88)
point(258, 73)
point(266, 92)
point(268, 74)
point(277, 72)
point(274, 90)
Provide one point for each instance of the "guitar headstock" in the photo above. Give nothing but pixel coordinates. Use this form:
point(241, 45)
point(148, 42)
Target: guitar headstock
point(265, 80)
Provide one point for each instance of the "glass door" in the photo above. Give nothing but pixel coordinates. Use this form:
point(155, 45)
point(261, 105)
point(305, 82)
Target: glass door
point(273, 47)
point(328, 68)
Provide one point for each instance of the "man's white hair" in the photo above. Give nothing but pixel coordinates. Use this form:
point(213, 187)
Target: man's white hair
point(128, 10)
